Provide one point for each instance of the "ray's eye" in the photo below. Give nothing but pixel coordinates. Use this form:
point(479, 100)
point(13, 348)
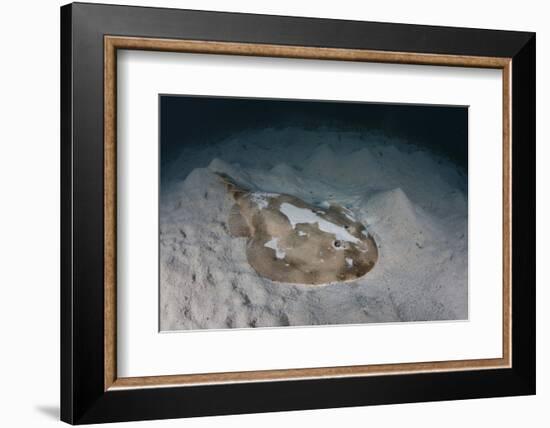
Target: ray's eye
point(337, 243)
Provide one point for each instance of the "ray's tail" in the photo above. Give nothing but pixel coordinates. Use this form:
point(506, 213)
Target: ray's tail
point(232, 187)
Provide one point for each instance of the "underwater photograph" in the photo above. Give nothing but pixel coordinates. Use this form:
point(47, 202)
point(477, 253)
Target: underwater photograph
point(278, 212)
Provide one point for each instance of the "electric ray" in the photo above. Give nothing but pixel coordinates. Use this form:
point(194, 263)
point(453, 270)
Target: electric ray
point(292, 241)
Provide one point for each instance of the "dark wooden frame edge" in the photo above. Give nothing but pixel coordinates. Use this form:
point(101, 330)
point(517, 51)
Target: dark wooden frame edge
point(83, 398)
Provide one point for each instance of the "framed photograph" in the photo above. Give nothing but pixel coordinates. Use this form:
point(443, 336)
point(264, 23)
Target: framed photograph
point(265, 213)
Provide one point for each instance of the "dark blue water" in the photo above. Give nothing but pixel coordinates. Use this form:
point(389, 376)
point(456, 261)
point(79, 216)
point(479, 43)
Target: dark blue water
point(190, 123)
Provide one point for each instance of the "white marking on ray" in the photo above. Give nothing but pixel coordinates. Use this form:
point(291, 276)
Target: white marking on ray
point(349, 262)
point(303, 215)
point(273, 243)
point(261, 199)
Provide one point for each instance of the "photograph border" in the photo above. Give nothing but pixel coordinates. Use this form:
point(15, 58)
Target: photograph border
point(283, 99)
point(90, 389)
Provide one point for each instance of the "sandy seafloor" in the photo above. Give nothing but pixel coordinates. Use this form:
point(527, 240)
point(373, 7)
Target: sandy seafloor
point(412, 201)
